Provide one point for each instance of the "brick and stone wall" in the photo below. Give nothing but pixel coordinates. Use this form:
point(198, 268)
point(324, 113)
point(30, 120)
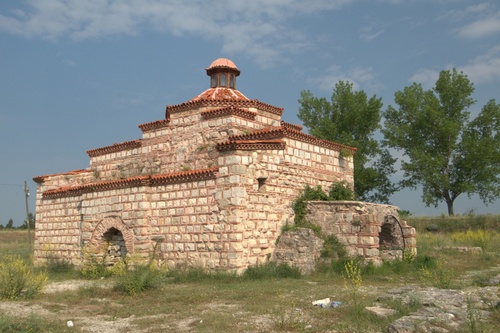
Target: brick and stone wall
point(213, 183)
point(359, 226)
point(368, 230)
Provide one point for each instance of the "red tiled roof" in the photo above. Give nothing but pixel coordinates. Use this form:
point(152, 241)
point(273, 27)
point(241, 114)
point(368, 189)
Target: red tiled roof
point(228, 111)
point(291, 126)
point(251, 145)
point(41, 179)
point(254, 103)
point(222, 62)
point(220, 93)
point(154, 125)
point(116, 147)
point(270, 133)
point(148, 180)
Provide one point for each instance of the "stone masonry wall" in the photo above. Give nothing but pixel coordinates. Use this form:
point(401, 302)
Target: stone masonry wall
point(229, 222)
point(359, 225)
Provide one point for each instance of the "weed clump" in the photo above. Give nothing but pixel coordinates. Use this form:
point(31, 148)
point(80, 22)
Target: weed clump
point(58, 266)
point(94, 267)
point(271, 270)
point(139, 279)
point(10, 324)
point(338, 191)
point(18, 280)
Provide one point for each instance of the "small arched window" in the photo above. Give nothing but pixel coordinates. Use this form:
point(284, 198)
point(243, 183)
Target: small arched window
point(231, 81)
point(223, 80)
point(213, 81)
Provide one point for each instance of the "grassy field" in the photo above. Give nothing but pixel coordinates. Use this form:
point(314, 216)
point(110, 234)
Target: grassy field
point(15, 242)
point(193, 301)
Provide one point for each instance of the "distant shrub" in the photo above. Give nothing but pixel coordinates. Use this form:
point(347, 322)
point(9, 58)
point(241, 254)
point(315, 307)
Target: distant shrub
point(455, 223)
point(18, 280)
point(432, 228)
point(479, 238)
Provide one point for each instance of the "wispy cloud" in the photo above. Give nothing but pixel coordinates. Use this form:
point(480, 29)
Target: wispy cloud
point(477, 21)
point(260, 28)
point(360, 77)
point(481, 28)
point(484, 68)
point(468, 12)
point(370, 32)
point(425, 76)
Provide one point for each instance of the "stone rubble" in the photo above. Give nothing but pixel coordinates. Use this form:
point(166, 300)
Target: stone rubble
point(440, 310)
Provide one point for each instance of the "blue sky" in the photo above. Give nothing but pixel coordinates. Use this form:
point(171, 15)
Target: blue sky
point(78, 75)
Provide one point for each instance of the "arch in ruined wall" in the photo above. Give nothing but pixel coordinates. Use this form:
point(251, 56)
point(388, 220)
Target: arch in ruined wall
point(391, 234)
point(110, 231)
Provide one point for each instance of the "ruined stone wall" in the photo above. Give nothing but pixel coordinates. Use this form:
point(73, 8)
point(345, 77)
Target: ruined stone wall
point(371, 231)
point(358, 225)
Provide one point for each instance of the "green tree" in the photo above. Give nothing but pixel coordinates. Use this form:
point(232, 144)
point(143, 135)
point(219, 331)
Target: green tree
point(9, 224)
point(352, 119)
point(31, 219)
point(445, 152)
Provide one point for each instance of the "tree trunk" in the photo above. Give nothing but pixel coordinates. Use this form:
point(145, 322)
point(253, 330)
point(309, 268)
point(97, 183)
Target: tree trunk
point(449, 203)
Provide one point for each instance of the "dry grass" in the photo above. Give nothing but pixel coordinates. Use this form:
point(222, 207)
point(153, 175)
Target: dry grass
point(15, 242)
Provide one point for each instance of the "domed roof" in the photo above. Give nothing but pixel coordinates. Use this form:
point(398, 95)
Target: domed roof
point(222, 62)
point(223, 73)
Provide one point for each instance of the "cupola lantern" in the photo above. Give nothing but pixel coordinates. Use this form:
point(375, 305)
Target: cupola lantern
point(223, 73)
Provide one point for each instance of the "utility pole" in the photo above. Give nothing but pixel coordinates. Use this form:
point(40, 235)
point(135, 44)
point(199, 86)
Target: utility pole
point(27, 193)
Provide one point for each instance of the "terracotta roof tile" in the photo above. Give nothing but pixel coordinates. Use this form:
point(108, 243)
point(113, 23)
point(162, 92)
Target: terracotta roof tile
point(147, 180)
point(228, 111)
point(220, 93)
point(289, 131)
point(251, 145)
point(154, 125)
point(41, 179)
point(190, 105)
point(116, 147)
point(222, 62)
point(291, 126)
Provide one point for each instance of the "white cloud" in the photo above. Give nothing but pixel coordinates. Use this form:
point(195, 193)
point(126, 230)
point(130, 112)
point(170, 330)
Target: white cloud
point(484, 68)
point(481, 28)
point(477, 21)
point(370, 32)
point(426, 77)
point(358, 76)
point(258, 28)
point(462, 14)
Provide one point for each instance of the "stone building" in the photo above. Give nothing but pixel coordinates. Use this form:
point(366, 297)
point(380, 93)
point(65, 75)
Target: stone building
point(210, 185)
